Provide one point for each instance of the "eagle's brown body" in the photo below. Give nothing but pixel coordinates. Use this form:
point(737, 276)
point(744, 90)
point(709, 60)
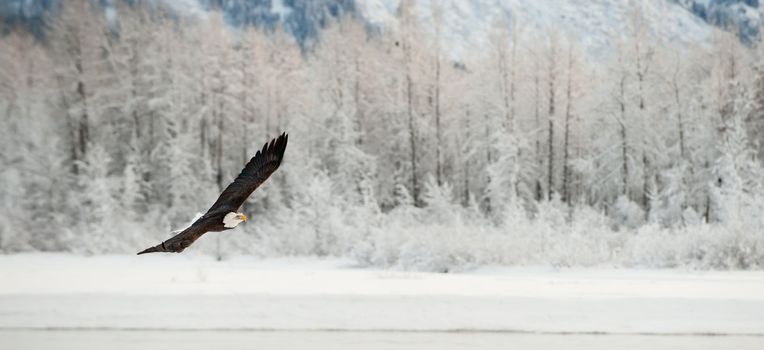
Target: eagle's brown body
point(259, 168)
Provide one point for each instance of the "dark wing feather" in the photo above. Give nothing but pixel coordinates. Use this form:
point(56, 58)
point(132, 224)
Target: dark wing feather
point(259, 168)
point(182, 240)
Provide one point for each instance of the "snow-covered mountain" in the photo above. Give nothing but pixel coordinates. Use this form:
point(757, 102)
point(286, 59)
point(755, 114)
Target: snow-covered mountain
point(593, 22)
point(28, 14)
point(743, 16)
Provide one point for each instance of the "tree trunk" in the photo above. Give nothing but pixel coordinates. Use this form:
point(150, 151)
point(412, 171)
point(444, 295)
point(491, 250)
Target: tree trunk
point(566, 142)
point(410, 113)
point(646, 172)
point(537, 118)
point(624, 141)
point(358, 108)
point(513, 64)
point(680, 122)
point(488, 156)
point(412, 139)
point(83, 131)
point(550, 161)
point(219, 150)
point(550, 145)
point(466, 165)
point(438, 160)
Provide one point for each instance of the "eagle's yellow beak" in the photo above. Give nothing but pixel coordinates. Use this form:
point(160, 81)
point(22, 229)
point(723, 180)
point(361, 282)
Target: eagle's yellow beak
point(243, 217)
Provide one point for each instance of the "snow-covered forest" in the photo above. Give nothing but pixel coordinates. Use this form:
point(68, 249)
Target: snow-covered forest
point(117, 128)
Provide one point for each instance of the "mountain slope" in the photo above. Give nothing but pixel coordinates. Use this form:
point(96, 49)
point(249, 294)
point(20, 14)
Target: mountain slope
point(742, 16)
point(593, 23)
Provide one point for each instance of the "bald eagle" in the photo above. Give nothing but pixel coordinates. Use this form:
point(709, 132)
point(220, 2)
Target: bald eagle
point(224, 215)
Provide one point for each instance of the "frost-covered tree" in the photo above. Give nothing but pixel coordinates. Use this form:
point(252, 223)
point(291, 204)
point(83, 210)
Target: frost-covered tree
point(755, 120)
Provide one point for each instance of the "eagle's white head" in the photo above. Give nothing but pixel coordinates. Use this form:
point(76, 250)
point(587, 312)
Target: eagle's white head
point(232, 219)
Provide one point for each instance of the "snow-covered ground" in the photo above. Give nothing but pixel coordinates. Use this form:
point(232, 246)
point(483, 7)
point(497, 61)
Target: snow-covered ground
point(312, 340)
point(183, 292)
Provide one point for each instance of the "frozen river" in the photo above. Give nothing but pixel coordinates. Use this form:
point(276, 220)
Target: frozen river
point(190, 340)
point(50, 301)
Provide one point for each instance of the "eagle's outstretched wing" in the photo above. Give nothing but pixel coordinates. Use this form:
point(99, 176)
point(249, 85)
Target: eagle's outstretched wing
point(182, 240)
point(259, 168)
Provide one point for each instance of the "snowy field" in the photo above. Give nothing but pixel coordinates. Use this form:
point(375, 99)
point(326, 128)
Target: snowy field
point(48, 299)
point(311, 340)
